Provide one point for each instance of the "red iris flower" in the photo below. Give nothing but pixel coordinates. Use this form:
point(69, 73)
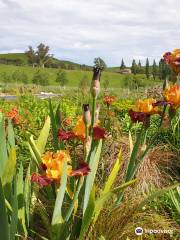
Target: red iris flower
point(138, 116)
point(63, 135)
point(42, 181)
point(82, 170)
point(99, 133)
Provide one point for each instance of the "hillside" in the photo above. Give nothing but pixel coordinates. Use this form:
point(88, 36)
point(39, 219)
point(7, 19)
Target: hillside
point(21, 59)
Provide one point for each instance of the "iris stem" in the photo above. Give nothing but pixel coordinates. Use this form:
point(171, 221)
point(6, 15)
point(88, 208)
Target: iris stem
point(85, 144)
point(93, 114)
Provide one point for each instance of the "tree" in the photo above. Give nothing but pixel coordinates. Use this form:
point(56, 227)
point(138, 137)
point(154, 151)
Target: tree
point(41, 57)
point(98, 62)
point(122, 65)
point(147, 70)
point(139, 67)
point(164, 70)
point(154, 70)
point(31, 55)
point(139, 64)
point(134, 67)
point(63, 65)
point(61, 78)
point(41, 78)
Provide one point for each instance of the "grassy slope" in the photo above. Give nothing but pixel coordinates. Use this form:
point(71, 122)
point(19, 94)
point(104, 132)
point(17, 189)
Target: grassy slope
point(23, 58)
point(74, 76)
point(14, 56)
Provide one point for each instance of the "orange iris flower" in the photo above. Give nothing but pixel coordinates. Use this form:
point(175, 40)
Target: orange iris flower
point(146, 106)
point(14, 116)
point(54, 163)
point(67, 121)
point(172, 95)
point(80, 128)
point(108, 100)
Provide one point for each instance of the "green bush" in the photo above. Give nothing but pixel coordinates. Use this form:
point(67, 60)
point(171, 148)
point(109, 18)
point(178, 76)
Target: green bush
point(61, 78)
point(18, 76)
point(41, 78)
point(122, 106)
point(5, 77)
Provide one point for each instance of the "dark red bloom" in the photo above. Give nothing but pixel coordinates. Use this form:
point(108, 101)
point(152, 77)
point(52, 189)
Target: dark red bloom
point(99, 133)
point(42, 181)
point(63, 135)
point(138, 116)
point(43, 166)
point(82, 170)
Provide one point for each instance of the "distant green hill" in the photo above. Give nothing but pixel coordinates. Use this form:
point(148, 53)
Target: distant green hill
point(21, 59)
point(14, 56)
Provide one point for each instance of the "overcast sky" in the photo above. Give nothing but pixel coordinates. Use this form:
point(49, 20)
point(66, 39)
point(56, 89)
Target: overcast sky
point(80, 30)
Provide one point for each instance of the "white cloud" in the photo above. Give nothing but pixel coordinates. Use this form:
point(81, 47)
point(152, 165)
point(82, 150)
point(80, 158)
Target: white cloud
point(80, 30)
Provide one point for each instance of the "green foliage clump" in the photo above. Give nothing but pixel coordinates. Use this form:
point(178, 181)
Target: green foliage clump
point(134, 81)
point(41, 78)
point(19, 76)
point(84, 84)
point(61, 78)
point(123, 105)
point(5, 77)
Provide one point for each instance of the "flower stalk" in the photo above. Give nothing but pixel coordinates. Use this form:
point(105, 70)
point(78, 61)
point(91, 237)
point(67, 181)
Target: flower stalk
point(95, 90)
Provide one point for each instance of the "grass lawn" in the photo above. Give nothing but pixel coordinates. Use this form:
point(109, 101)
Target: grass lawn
point(116, 80)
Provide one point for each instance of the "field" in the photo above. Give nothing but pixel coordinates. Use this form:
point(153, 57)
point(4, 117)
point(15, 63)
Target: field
point(74, 77)
point(98, 162)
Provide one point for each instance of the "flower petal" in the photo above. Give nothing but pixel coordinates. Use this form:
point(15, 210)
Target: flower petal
point(99, 133)
point(42, 181)
point(63, 135)
point(137, 116)
point(82, 170)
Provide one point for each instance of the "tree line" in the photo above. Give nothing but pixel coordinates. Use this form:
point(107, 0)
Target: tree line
point(160, 70)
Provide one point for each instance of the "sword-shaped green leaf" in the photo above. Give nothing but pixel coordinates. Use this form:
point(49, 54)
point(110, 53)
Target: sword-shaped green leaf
point(93, 164)
point(4, 226)
point(10, 166)
point(57, 219)
point(3, 146)
point(43, 137)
